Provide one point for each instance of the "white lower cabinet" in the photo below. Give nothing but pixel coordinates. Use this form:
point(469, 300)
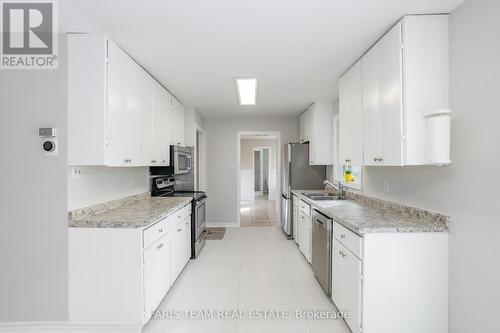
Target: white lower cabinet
point(385, 281)
point(118, 276)
point(346, 284)
point(304, 229)
point(156, 273)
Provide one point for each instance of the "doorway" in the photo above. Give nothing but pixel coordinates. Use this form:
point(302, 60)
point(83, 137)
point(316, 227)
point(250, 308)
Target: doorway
point(261, 172)
point(258, 179)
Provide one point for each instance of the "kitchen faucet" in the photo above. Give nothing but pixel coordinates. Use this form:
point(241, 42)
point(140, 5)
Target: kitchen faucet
point(339, 188)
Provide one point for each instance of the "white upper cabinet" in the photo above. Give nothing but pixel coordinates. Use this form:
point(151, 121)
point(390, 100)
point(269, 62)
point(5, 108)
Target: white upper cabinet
point(382, 101)
point(177, 123)
point(319, 128)
point(303, 127)
point(161, 121)
point(118, 114)
point(351, 117)
point(404, 77)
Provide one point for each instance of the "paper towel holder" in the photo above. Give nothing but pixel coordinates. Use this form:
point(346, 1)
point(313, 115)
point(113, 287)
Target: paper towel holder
point(438, 137)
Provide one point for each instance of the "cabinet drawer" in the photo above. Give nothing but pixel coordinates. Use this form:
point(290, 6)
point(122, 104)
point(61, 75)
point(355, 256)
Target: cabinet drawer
point(155, 232)
point(182, 213)
point(305, 208)
point(349, 239)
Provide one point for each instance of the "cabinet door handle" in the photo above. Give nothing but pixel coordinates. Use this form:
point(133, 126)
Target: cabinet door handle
point(179, 230)
point(160, 230)
point(342, 236)
point(159, 246)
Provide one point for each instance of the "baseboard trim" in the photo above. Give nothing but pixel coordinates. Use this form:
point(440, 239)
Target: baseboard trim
point(222, 225)
point(65, 327)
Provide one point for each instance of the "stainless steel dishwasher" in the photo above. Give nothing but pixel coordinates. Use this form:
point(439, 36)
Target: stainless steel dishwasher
point(322, 238)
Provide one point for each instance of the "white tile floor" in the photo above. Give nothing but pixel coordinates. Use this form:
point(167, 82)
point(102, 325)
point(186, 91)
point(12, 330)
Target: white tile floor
point(251, 268)
point(258, 213)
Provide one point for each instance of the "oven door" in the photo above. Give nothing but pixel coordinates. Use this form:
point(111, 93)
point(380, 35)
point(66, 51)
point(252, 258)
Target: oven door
point(199, 213)
point(200, 228)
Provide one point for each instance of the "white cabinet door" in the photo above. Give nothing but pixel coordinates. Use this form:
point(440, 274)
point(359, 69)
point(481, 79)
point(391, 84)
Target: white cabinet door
point(382, 101)
point(187, 239)
point(371, 107)
point(177, 249)
point(156, 273)
point(166, 101)
point(338, 275)
point(145, 115)
point(156, 124)
point(129, 100)
point(390, 101)
point(351, 117)
point(161, 125)
point(305, 235)
point(177, 123)
point(352, 290)
point(117, 153)
point(302, 127)
point(346, 284)
point(295, 223)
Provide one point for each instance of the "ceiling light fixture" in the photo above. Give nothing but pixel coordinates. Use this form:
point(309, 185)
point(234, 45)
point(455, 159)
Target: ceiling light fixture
point(247, 90)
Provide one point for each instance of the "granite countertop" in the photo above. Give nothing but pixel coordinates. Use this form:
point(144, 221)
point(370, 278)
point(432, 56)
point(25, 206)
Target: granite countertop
point(362, 219)
point(135, 214)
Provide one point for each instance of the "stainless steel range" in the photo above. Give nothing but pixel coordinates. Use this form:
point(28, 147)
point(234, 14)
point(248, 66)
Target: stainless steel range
point(166, 187)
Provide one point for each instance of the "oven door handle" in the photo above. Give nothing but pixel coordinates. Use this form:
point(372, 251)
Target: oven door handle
point(200, 203)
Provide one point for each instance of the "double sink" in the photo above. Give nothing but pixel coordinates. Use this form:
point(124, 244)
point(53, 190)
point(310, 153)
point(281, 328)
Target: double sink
point(321, 196)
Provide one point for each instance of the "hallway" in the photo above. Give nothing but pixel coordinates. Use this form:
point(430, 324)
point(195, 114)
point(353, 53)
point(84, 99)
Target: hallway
point(250, 269)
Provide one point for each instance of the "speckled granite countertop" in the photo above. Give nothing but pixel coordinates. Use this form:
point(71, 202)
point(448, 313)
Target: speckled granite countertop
point(378, 216)
point(135, 214)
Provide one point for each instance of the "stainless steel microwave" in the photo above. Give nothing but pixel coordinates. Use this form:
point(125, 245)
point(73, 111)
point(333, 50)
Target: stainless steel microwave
point(181, 159)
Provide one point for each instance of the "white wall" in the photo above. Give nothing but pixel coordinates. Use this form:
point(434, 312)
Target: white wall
point(467, 190)
point(222, 158)
point(246, 167)
point(33, 217)
point(99, 184)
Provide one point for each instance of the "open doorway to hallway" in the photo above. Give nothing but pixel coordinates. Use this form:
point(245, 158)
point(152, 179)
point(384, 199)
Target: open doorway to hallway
point(258, 180)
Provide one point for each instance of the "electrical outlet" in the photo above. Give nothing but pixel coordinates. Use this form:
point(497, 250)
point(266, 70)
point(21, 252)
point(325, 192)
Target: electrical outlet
point(76, 173)
point(386, 187)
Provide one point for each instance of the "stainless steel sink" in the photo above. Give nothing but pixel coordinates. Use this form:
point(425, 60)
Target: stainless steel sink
point(326, 197)
point(321, 196)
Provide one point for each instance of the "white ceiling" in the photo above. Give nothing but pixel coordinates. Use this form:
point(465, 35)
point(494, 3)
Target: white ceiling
point(297, 48)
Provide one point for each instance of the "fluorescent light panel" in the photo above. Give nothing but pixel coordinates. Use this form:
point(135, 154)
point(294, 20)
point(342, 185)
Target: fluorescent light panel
point(247, 90)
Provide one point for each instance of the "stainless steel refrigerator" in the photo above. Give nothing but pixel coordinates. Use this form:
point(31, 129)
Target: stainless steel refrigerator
point(297, 174)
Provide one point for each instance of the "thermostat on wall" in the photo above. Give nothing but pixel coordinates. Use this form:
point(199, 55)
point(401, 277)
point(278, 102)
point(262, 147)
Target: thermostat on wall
point(48, 140)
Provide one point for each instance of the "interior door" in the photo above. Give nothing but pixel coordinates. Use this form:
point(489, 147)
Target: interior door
point(390, 96)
